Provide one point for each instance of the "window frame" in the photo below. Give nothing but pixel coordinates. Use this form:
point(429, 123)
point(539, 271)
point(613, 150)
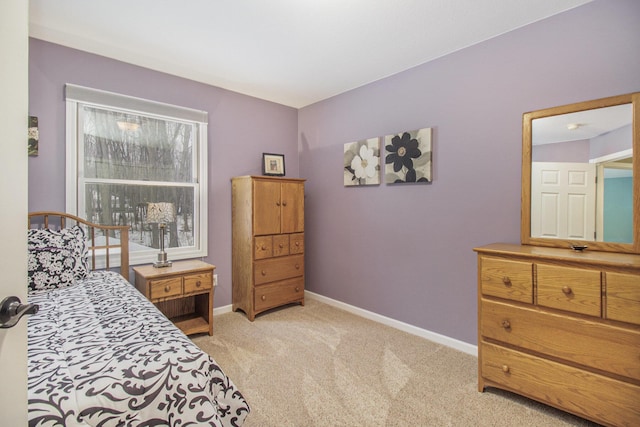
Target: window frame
point(75, 181)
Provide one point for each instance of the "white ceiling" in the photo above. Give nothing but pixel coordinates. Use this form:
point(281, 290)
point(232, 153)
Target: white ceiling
point(293, 52)
point(588, 124)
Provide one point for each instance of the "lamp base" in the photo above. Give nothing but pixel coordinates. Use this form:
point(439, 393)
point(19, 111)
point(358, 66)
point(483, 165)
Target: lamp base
point(160, 264)
point(162, 260)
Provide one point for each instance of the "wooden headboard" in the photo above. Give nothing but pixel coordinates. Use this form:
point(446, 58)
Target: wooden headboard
point(100, 238)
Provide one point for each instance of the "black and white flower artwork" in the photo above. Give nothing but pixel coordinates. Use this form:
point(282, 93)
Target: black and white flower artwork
point(408, 158)
point(362, 162)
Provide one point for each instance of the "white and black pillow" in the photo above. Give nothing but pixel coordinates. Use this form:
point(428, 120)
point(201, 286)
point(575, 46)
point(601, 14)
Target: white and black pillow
point(56, 258)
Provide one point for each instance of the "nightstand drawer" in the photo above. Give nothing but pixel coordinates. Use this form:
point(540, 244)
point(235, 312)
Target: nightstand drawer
point(623, 297)
point(507, 279)
point(274, 269)
point(164, 288)
point(576, 290)
point(198, 282)
point(263, 247)
point(276, 294)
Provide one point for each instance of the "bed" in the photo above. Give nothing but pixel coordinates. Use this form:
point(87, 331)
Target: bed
point(99, 353)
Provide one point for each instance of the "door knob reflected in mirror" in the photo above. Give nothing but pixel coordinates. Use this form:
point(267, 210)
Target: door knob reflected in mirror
point(12, 310)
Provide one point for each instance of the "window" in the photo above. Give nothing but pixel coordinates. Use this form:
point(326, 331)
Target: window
point(124, 153)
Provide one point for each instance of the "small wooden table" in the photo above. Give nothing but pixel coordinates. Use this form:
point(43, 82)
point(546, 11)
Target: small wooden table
point(183, 292)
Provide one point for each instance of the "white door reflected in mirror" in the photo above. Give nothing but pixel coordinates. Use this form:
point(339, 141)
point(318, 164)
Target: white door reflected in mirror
point(563, 200)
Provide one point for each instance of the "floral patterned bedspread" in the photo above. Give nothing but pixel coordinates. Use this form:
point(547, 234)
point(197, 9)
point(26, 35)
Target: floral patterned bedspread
point(100, 354)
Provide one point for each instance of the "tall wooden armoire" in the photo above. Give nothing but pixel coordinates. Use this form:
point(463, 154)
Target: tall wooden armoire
point(267, 243)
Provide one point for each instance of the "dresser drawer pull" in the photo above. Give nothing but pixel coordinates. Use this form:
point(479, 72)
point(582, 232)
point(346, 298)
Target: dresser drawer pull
point(505, 369)
point(297, 243)
point(264, 248)
point(284, 203)
point(281, 245)
point(264, 273)
point(297, 266)
point(198, 283)
point(263, 297)
point(566, 290)
point(506, 324)
point(297, 288)
point(506, 281)
point(167, 288)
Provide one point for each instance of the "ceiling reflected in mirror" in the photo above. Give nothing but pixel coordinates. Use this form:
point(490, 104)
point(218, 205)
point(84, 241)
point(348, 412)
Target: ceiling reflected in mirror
point(581, 125)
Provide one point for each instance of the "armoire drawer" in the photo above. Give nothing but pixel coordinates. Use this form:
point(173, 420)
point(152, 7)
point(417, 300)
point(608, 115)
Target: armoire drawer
point(577, 290)
point(278, 245)
point(274, 269)
point(296, 243)
point(603, 399)
point(623, 297)
point(279, 293)
point(263, 247)
point(281, 245)
point(588, 343)
point(507, 279)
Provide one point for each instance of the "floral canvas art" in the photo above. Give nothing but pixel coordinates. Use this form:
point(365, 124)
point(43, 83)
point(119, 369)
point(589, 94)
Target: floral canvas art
point(408, 158)
point(34, 137)
point(362, 162)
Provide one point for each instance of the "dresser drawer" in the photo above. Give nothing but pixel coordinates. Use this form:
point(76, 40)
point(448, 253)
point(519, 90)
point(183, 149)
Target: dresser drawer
point(200, 282)
point(263, 247)
point(507, 279)
point(576, 290)
point(274, 269)
point(296, 243)
point(164, 288)
point(276, 294)
point(623, 297)
point(281, 245)
point(600, 398)
point(588, 343)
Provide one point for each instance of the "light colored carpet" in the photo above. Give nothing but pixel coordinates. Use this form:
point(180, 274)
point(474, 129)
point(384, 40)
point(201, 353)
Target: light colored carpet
point(318, 365)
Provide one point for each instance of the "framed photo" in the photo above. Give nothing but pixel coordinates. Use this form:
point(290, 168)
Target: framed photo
point(272, 164)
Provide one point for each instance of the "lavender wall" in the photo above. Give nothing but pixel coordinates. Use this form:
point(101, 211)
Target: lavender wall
point(406, 251)
point(568, 151)
point(241, 128)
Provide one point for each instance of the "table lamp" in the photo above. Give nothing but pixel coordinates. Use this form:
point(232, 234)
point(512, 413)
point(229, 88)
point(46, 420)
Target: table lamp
point(161, 213)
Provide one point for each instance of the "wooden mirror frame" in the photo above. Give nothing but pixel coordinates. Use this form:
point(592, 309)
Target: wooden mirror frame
point(525, 226)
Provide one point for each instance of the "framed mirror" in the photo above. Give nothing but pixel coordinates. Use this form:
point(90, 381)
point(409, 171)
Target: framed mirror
point(581, 175)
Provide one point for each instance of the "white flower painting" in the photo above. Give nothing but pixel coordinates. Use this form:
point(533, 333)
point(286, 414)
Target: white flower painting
point(362, 162)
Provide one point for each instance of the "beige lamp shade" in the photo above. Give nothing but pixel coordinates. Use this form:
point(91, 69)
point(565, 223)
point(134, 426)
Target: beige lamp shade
point(161, 213)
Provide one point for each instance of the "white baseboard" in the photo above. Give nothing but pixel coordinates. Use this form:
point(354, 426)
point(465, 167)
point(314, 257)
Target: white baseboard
point(222, 310)
point(414, 330)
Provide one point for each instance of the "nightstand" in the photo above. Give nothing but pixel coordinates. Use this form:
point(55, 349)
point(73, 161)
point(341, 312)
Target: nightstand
point(183, 292)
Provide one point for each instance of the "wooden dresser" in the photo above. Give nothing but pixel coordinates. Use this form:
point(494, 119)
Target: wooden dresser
point(563, 328)
point(268, 243)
